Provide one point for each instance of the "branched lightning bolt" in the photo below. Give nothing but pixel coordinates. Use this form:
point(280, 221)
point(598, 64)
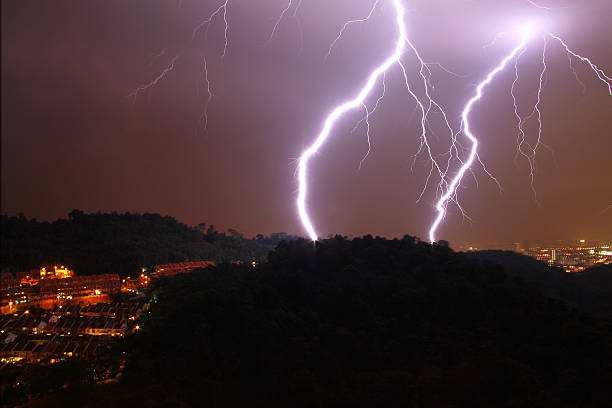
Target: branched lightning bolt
point(226, 30)
point(524, 148)
point(279, 20)
point(368, 135)
point(359, 101)
point(338, 112)
point(366, 119)
point(598, 71)
point(535, 112)
point(448, 186)
point(443, 68)
point(521, 133)
point(431, 103)
point(571, 67)
point(530, 155)
point(221, 10)
point(348, 24)
point(451, 190)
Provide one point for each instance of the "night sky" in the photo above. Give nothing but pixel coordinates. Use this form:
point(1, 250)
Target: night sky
point(71, 138)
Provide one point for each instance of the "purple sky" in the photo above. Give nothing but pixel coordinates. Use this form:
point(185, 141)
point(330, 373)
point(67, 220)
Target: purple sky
point(72, 139)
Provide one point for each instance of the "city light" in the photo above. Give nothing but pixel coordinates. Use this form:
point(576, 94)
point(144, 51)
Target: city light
point(572, 258)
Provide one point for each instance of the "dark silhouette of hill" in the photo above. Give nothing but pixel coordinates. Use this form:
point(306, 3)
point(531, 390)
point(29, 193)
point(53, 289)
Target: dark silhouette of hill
point(595, 289)
point(367, 322)
point(119, 243)
point(589, 290)
point(551, 280)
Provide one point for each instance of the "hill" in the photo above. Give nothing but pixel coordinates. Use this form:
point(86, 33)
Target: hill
point(119, 243)
point(364, 322)
point(594, 290)
point(589, 290)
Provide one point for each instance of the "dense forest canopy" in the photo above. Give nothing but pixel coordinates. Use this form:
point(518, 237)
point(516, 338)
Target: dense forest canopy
point(121, 243)
point(365, 322)
point(589, 290)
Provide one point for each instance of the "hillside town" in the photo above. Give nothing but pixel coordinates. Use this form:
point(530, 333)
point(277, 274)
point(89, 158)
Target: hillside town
point(72, 331)
point(51, 314)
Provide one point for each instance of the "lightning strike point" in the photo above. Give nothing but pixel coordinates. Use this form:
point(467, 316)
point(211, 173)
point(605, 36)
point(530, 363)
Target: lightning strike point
point(337, 113)
point(451, 191)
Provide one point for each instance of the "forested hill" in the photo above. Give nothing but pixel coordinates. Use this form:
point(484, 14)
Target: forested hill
point(590, 290)
point(120, 243)
point(366, 322)
point(548, 278)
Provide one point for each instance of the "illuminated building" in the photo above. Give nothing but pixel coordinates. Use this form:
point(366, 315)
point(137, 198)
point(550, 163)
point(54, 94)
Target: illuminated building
point(47, 288)
point(62, 272)
point(577, 258)
point(181, 267)
point(59, 272)
point(67, 332)
point(68, 288)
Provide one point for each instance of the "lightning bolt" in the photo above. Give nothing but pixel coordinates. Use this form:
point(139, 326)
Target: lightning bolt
point(524, 148)
point(359, 100)
point(516, 54)
point(366, 119)
point(451, 190)
point(203, 122)
point(206, 23)
point(603, 77)
point(420, 91)
point(338, 112)
point(347, 25)
point(280, 19)
point(163, 74)
point(535, 112)
point(221, 10)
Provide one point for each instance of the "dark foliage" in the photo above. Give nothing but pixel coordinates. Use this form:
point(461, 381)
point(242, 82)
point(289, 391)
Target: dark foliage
point(275, 238)
point(365, 322)
point(117, 243)
point(589, 290)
